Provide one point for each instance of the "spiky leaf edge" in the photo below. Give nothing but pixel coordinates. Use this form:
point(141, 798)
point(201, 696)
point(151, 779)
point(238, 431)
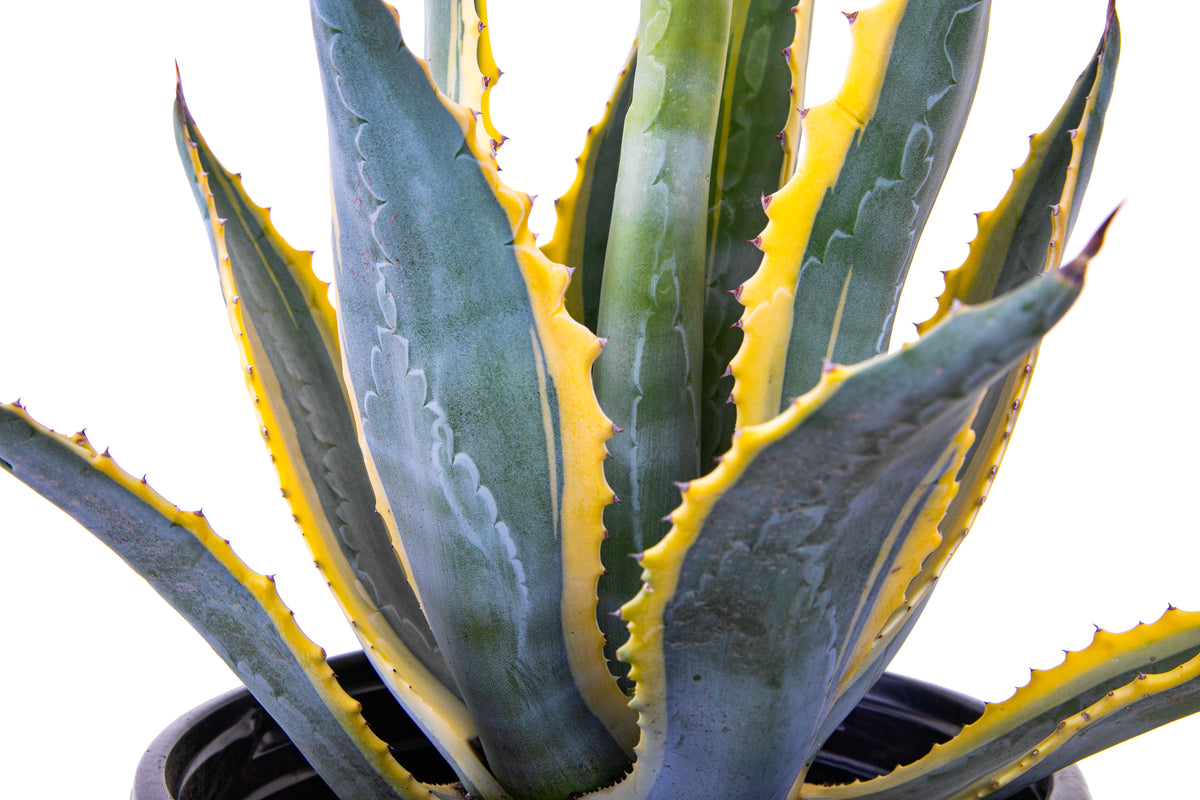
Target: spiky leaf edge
point(237, 611)
point(997, 415)
point(429, 696)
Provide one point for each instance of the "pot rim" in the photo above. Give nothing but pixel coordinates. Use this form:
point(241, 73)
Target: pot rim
point(234, 718)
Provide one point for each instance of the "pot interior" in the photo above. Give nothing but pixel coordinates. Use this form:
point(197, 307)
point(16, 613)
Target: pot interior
point(230, 749)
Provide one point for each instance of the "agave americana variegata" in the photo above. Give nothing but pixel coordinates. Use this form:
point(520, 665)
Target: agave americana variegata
point(470, 388)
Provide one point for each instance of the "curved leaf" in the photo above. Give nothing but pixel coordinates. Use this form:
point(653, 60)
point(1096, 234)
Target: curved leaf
point(1119, 687)
point(286, 330)
point(1011, 239)
point(236, 610)
point(903, 603)
point(768, 587)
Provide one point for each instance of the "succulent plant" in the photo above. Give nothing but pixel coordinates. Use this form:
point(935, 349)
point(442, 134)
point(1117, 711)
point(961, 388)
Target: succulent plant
point(655, 508)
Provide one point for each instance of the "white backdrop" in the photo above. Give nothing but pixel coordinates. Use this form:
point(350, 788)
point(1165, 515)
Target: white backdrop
point(112, 320)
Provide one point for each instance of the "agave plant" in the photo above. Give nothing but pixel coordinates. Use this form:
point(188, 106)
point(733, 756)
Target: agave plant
point(654, 507)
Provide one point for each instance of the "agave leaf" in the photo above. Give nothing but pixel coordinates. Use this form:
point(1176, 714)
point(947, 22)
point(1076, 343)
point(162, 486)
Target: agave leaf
point(652, 300)
point(1122, 685)
point(1024, 235)
point(458, 47)
point(744, 626)
point(452, 319)
point(1021, 230)
point(762, 90)
point(872, 160)
point(236, 610)
point(286, 331)
point(584, 212)
point(1022, 238)
point(900, 607)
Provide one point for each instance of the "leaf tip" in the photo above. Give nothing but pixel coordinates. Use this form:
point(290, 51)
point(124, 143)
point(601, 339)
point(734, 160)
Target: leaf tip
point(1076, 270)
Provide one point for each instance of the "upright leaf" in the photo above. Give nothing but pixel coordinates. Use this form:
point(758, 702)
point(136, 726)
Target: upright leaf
point(843, 230)
point(451, 321)
point(763, 89)
point(1023, 237)
point(585, 211)
point(652, 300)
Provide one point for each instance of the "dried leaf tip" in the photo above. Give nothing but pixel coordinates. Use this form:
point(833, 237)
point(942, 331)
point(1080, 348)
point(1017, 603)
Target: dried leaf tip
point(1077, 268)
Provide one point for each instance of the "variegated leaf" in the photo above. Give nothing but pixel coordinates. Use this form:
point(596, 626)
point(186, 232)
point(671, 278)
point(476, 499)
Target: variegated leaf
point(769, 583)
point(472, 385)
point(648, 377)
point(236, 610)
point(842, 232)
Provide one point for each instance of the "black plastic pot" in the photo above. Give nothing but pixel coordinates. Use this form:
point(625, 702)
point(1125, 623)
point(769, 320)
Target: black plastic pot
point(230, 749)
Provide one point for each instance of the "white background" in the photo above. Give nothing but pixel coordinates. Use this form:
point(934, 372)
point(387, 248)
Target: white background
point(112, 320)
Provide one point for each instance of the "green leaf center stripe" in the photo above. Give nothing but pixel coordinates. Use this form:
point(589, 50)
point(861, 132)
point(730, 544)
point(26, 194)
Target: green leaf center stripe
point(648, 377)
point(757, 102)
point(436, 320)
point(737, 30)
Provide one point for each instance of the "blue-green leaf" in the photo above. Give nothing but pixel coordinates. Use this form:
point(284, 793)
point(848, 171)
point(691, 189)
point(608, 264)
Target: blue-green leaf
point(471, 382)
point(286, 331)
point(843, 231)
point(236, 610)
point(1023, 237)
point(648, 377)
point(782, 562)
